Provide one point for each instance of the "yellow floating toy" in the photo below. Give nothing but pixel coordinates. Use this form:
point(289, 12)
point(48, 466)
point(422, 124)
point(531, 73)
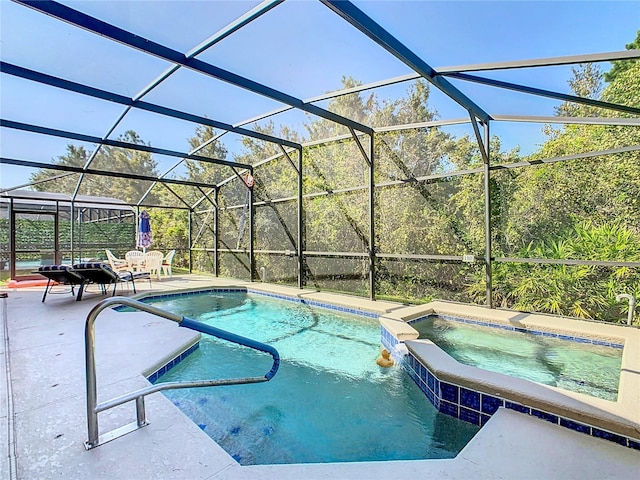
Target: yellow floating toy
point(385, 360)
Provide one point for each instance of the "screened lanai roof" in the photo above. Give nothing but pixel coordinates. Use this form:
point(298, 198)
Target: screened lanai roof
point(30, 199)
point(86, 73)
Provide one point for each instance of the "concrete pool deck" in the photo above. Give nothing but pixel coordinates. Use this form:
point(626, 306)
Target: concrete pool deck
point(43, 409)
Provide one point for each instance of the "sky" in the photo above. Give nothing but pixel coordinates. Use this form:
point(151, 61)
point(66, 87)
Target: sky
point(299, 47)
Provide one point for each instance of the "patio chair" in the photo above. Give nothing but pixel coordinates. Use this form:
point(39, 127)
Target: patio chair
point(134, 258)
point(103, 275)
point(115, 262)
point(60, 274)
point(166, 263)
point(153, 262)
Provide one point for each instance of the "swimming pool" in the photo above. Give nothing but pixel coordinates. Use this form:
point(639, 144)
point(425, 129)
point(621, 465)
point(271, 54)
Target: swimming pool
point(577, 366)
point(329, 402)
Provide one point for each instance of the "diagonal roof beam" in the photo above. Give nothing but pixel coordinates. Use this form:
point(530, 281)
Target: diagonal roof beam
point(544, 62)
point(93, 171)
point(220, 35)
point(544, 93)
point(91, 24)
point(25, 127)
point(374, 31)
point(34, 183)
point(45, 79)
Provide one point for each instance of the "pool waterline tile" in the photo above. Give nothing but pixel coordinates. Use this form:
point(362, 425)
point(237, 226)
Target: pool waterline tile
point(459, 402)
point(155, 376)
point(560, 336)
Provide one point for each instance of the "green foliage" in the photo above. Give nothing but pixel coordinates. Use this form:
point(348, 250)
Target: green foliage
point(91, 236)
point(620, 66)
point(586, 83)
point(204, 144)
point(109, 159)
point(579, 209)
point(585, 291)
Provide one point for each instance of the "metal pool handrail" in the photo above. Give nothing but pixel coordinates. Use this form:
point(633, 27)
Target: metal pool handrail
point(93, 407)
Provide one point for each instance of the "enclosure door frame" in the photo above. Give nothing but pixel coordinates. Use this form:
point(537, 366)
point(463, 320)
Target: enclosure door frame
point(13, 240)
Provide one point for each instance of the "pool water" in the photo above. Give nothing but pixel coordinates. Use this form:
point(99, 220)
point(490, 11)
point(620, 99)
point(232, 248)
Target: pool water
point(580, 367)
point(329, 402)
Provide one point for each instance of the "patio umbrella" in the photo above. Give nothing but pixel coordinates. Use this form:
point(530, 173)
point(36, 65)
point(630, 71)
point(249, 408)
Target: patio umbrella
point(144, 231)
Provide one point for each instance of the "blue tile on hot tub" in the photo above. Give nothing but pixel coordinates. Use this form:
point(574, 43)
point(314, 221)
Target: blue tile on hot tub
point(544, 416)
point(469, 416)
point(449, 408)
point(609, 436)
point(491, 404)
point(431, 380)
point(578, 427)
point(517, 407)
point(484, 419)
point(469, 399)
point(423, 386)
point(449, 392)
point(633, 444)
point(412, 361)
point(423, 373)
point(430, 396)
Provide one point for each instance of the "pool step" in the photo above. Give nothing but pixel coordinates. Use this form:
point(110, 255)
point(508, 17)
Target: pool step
point(242, 434)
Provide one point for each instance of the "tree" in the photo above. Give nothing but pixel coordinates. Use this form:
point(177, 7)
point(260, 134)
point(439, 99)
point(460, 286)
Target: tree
point(583, 209)
point(620, 66)
point(586, 83)
point(202, 144)
point(110, 159)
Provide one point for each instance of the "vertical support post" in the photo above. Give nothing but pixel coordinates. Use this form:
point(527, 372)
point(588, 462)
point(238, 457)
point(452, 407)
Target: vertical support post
point(189, 240)
point(252, 264)
point(137, 224)
point(300, 224)
point(487, 217)
point(12, 240)
point(72, 230)
point(80, 215)
point(216, 264)
point(56, 236)
point(372, 229)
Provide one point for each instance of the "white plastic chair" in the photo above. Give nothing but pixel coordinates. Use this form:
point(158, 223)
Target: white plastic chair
point(135, 259)
point(115, 262)
point(153, 262)
point(166, 263)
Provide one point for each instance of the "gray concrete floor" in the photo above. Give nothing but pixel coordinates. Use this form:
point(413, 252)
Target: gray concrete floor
point(43, 411)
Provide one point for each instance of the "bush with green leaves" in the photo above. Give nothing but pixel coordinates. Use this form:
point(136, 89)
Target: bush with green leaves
point(584, 291)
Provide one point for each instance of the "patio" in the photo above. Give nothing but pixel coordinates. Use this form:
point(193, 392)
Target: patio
point(44, 418)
